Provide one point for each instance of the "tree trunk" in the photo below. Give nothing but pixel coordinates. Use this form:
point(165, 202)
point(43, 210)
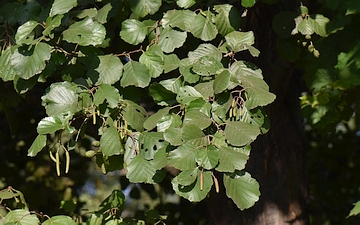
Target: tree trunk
point(277, 159)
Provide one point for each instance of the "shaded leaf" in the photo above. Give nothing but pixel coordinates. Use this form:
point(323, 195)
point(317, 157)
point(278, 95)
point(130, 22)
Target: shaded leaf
point(151, 121)
point(187, 94)
point(248, 3)
point(52, 23)
point(108, 92)
point(221, 82)
point(134, 115)
point(171, 62)
point(197, 118)
point(226, 19)
point(183, 157)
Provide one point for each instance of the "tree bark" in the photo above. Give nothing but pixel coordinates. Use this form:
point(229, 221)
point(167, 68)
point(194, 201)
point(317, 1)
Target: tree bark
point(277, 159)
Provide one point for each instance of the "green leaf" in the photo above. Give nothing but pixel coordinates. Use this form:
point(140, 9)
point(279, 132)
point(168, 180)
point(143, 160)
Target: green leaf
point(231, 160)
point(185, 69)
point(240, 133)
point(105, 69)
point(173, 120)
point(7, 72)
point(193, 192)
point(248, 3)
point(197, 118)
point(62, 6)
point(21, 216)
point(161, 95)
point(205, 50)
point(38, 144)
point(133, 31)
point(173, 135)
point(319, 23)
point(171, 62)
point(134, 115)
point(187, 94)
point(150, 143)
point(52, 23)
point(221, 81)
point(135, 73)
point(152, 120)
point(115, 200)
point(49, 125)
point(145, 7)
point(61, 98)
point(207, 157)
point(205, 89)
point(5, 194)
point(202, 27)
point(207, 66)
point(170, 39)
point(178, 18)
point(242, 189)
point(172, 84)
point(356, 210)
point(85, 32)
point(24, 31)
point(183, 157)
point(227, 18)
point(257, 90)
point(153, 61)
point(193, 134)
point(103, 13)
point(187, 177)
point(239, 41)
point(59, 220)
point(108, 92)
point(305, 27)
point(185, 3)
point(283, 23)
point(29, 61)
point(140, 170)
point(110, 141)
point(91, 12)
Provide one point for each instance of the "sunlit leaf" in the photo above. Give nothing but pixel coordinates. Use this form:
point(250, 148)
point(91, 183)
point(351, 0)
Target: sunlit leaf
point(239, 41)
point(207, 157)
point(105, 69)
point(17, 215)
point(185, 3)
point(171, 62)
point(221, 82)
point(29, 61)
point(356, 210)
point(38, 144)
point(226, 19)
point(62, 6)
point(152, 120)
point(197, 118)
point(24, 31)
point(103, 13)
point(178, 18)
point(61, 98)
point(187, 94)
point(59, 220)
point(170, 39)
point(193, 192)
point(110, 141)
point(202, 27)
point(133, 31)
point(49, 125)
point(240, 133)
point(145, 7)
point(85, 32)
point(183, 158)
point(7, 72)
point(153, 62)
point(135, 73)
point(231, 160)
point(52, 23)
point(242, 189)
point(110, 93)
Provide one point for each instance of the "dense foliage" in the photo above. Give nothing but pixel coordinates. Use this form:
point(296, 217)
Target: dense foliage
point(160, 87)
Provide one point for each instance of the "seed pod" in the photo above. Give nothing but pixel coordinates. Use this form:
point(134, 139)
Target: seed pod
point(67, 156)
point(57, 157)
point(90, 153)
point(103, 169)
point(96, 143)
point(201, 180)
point(216, 182)
point(52, 157)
